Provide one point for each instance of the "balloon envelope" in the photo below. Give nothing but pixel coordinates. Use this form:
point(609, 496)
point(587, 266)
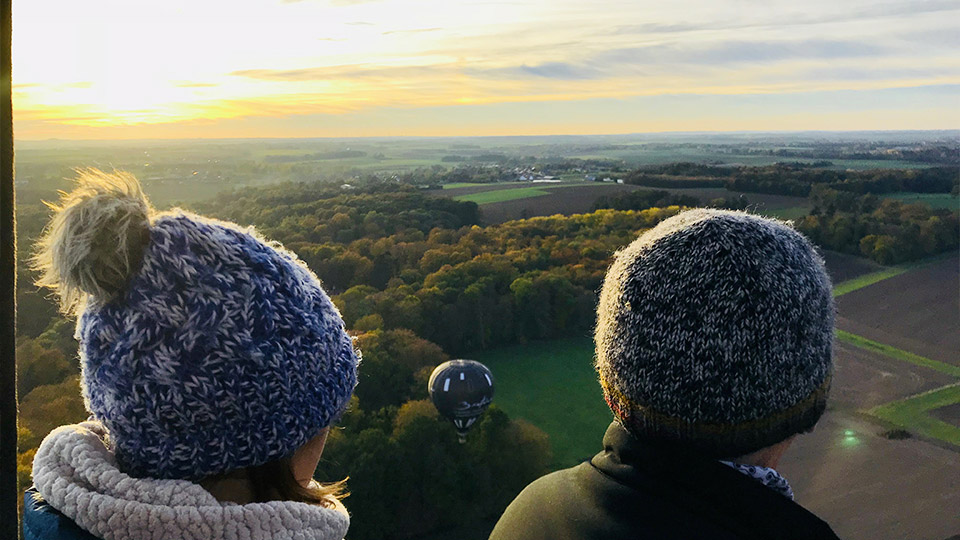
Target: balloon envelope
point(461, 390)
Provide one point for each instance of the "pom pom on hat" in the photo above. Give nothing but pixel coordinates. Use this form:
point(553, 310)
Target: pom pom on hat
point(219, 351)
point(95, 240)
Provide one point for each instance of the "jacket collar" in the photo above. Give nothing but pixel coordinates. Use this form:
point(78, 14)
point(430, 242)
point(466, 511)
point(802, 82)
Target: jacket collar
point(76, 473)
point(691, 479)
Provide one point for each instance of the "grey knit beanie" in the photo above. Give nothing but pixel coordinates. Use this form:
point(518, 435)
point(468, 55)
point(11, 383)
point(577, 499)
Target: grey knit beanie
point(714, 331)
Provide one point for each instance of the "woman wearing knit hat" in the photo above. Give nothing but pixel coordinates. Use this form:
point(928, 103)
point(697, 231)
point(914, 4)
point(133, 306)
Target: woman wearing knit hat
point(213, 365)
point(714, 336)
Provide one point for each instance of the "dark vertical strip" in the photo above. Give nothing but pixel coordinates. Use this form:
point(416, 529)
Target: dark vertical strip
point(9, 527)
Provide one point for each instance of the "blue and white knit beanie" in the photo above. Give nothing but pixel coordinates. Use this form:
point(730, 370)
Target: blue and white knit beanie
point(715, 331)
point(204, 347)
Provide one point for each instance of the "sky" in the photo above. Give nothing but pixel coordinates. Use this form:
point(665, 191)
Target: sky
point(122, 69)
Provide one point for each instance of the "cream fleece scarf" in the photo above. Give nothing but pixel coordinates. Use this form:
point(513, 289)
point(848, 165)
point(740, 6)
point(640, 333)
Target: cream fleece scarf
point(76, 473)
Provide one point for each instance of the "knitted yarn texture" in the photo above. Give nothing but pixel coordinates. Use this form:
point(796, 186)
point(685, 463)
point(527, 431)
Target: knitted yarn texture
point(223, 352)
point(76, 474)
point(715, 331)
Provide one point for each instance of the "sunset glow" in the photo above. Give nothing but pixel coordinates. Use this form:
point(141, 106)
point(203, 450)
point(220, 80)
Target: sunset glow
point(272, 68)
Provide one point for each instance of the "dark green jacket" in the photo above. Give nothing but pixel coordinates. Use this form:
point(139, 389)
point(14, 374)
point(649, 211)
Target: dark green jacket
point(640, 490)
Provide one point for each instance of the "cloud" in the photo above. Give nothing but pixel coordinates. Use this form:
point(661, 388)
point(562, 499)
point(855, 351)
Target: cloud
point(414, 31)
point(340, 72)
point(618, 63)
point(560, 70)
point(878, 11)
point(898, 9)
point(645, 61)
point(333, 2)
point(188, 84)
point(734, 52)
point(847, 73)
point(948, 38)
point(655, 28)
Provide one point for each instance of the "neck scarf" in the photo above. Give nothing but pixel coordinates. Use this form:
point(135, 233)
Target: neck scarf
point(765, 476)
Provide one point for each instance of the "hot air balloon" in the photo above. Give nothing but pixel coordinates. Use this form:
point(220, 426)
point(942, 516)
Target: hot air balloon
point(461, 390)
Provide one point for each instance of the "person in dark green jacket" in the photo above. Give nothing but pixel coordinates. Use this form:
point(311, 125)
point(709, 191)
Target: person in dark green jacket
point(714, 351)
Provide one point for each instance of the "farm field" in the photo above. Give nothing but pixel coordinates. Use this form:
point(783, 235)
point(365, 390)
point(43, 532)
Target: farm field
point(567, 201)
point(552, 384)
point(500, 195)
point(934, 200)
point(864, 379)
point(918, 311)
point(843, 267)
point(505, 202)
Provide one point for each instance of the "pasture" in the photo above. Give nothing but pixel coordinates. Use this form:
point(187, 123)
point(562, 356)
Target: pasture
point(934, 200)
point(849, 272)
point(915, 412)
point(552, 384)
point(500, 195)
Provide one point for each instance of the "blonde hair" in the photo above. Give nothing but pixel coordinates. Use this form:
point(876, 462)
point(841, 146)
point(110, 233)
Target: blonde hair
point(274, 480)
point(95, 240)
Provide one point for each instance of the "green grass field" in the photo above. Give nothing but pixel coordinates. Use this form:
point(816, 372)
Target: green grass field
point(501, 195)
point(455, 185)
point(934, 200)
point(913, 413)
point(552, 385)
point(867, 279)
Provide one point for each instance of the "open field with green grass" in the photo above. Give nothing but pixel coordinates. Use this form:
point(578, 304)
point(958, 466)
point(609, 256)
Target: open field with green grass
point(457, 185)
point(913, 413)
point(553, 385)
point(867, 280)
point(501, 195)
point(934, 200)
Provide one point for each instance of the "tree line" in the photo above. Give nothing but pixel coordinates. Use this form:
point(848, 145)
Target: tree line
point(642, 199)
point(797, 179)
point(887, 231)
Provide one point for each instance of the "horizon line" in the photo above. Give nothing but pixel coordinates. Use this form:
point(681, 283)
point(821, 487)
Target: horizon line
point(732, 132)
